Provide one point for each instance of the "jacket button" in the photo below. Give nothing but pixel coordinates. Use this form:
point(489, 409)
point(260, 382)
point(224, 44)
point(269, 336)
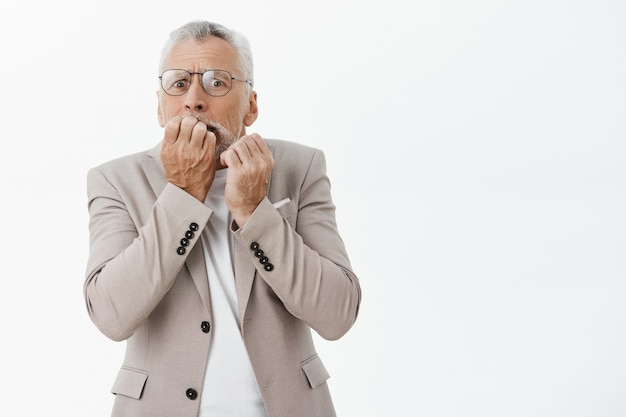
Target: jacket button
point(193, 227)
point(206, 327)
point(191, 393)
point(189, 234)
point(184, 242)
point(180, 250)
point(254, 246)
point(258, 253)
point(268, 266)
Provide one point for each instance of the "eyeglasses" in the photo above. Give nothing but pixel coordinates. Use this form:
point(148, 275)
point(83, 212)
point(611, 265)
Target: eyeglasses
point(216, 83)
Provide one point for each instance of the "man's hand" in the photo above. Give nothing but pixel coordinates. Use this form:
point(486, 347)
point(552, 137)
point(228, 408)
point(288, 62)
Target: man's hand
point(188, 155)
point(249, 163)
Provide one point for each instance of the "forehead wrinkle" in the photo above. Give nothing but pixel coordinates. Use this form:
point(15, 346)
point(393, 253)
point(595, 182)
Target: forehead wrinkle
point(194, 55)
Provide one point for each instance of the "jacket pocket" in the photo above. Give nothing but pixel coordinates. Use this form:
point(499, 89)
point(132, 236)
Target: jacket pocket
point(315, 371)
point(288, 209)
point(130, 383)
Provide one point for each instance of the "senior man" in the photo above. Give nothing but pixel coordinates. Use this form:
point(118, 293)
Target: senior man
point(216, 252)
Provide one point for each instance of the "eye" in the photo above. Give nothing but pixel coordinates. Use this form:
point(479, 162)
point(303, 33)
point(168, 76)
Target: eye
point(216, 83)
point(180, 84)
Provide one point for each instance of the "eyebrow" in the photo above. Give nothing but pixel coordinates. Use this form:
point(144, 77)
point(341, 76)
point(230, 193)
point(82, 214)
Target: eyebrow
point(178, 71)
point(231, 72)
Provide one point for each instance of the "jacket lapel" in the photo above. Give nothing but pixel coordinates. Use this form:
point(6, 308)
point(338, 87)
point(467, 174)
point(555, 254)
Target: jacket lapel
point(244, 277)
point(197, 268)
point(155, 173)
point(153, 167)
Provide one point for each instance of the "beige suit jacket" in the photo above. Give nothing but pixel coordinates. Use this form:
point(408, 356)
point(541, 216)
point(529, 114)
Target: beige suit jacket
point(141, 287)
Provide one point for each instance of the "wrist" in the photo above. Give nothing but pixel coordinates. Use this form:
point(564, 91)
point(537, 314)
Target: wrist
point(241, 219)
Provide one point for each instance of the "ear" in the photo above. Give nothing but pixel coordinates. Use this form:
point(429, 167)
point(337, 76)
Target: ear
point(160, 114)
point(253, 110)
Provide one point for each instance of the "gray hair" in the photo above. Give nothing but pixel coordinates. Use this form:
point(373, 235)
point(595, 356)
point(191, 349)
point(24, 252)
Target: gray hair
point(198, 30)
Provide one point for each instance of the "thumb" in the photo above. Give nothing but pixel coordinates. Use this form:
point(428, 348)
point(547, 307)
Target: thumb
point(223, 158)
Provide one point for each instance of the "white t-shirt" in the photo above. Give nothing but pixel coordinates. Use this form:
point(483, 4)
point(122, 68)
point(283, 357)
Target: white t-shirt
point(230, 387)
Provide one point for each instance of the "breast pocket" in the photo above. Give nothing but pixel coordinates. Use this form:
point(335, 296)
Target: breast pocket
point(130, 383)
point(288, 209)
point(315, 371)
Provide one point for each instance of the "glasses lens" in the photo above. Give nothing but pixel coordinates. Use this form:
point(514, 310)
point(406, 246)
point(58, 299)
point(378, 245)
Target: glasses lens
point(175, 82)
point(217, 83)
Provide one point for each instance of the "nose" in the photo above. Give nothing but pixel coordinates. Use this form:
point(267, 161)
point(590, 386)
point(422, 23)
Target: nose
point(196, 97)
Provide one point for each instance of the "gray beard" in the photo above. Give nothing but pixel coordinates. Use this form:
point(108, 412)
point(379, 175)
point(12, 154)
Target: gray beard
point(223, 137)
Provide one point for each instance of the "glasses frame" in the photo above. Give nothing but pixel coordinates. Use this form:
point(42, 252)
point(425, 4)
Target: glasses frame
point(201, 74)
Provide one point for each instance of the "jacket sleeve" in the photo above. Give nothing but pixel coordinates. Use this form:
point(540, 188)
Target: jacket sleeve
point(132, 266)
point(309, 268)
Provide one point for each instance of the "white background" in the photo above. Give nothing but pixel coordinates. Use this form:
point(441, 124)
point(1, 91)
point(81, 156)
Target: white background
point(477, 156)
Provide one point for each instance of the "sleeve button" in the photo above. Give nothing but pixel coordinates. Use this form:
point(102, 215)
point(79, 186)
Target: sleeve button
point(189, 234)
point(254, 246)
point(268, 267)
point(181, 250)
point(194, 227)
